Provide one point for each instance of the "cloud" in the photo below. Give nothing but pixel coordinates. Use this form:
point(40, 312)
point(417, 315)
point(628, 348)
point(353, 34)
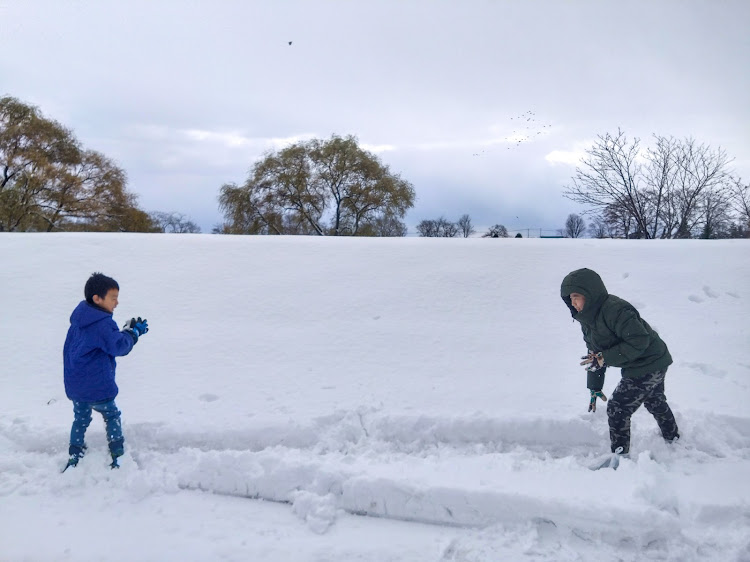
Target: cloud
point(377, 148)
point(570, 157)
point(234, 139)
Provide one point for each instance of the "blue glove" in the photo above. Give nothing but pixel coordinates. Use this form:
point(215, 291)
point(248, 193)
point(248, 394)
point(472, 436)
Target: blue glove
point(141, 326)
point(136, 327)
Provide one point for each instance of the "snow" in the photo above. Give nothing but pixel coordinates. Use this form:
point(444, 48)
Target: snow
point(309, 399)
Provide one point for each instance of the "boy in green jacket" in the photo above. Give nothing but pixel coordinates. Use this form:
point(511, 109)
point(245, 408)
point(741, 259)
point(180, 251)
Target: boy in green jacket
point(617, 336)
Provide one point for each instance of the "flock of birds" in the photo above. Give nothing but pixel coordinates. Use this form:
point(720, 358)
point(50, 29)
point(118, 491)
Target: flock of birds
point(527, 128)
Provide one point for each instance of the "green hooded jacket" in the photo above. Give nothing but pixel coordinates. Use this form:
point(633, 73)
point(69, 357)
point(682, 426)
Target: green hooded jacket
point(614, 327)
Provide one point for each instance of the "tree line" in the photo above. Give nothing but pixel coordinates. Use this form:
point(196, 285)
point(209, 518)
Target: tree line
point(50, 182)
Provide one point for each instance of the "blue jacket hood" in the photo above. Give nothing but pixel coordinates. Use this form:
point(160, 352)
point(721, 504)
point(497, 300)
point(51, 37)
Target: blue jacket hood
point(86, 314)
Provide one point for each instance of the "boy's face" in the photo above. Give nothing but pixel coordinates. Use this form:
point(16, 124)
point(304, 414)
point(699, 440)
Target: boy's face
point(109, 302)
point(578, 301)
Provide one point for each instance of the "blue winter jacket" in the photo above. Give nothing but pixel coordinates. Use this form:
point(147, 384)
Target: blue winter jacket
point(89, 353)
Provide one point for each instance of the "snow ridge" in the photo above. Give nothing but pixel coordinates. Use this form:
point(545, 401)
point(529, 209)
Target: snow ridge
point(410, 468)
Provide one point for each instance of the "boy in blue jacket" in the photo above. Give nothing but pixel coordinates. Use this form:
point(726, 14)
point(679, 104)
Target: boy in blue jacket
point(92, 343)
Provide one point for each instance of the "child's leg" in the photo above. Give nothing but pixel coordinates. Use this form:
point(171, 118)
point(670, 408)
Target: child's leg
point(625, 400)
point(656, 404)
point(113, 424)
point(81, 421)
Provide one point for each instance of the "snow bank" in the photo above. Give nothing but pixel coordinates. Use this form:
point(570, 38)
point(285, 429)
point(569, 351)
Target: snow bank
point(408, 380)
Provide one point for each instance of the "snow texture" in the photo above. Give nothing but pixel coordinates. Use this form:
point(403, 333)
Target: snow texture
point(309, 399)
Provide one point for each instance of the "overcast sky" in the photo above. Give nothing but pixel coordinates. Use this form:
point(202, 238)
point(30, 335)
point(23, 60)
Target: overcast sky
point(186, 95)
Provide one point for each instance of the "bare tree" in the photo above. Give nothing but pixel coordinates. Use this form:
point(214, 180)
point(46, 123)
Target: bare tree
point(610, 177)
point(575, 226)
point(660, 194)
point(701, 173)
point(174, 223)
point(465, 226)
point(497, 231)
point(599, 228)
point(739, 197)
point(440, 228)
point(714, 209)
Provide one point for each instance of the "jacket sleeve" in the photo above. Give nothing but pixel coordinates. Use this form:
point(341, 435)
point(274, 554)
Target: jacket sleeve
point(633, 335)
point(115, 342)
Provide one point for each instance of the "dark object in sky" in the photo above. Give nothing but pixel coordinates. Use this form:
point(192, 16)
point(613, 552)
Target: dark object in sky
point(290, 42)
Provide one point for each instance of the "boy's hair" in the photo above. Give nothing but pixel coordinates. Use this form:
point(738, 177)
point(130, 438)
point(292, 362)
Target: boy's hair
point(98, 284)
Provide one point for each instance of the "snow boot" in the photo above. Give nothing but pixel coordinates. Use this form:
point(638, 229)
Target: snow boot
point(612, 460)
point(76, 453)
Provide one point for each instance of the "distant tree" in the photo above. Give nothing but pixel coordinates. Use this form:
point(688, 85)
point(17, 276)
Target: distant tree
point(598, 228)
point(439, 228)
point(497, 231)
point(385, 226)
point(715, 210)
point(519, 235)
point(465, 226)
point(575, 226)
point(739, 197)
point(48, 182)
point(738, 230)
point(321, 187)
point(656, 193)
point(174, 223)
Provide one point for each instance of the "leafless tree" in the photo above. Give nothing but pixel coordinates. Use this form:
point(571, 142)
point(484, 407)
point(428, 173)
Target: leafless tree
point(174, 223)
point(610, 176)
point(598, 228)
point(575, 226)
point(465, 226)
point(715, 211)
point(661, 193)
point(497, 231)
point(440, 228)
point(739, 197)
point(701, 173)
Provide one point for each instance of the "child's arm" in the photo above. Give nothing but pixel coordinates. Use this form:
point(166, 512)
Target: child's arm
point(115, 342)
point(634, 337)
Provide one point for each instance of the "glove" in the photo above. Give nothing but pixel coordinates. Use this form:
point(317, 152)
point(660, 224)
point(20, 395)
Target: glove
point(594, 395)
point(593, 361)
point(136, 327)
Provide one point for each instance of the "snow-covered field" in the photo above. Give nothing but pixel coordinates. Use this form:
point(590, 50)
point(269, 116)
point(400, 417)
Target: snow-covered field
point(308, 399)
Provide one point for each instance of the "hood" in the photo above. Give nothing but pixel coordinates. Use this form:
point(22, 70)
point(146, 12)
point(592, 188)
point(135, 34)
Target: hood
point(588, 283)
point(86, 314)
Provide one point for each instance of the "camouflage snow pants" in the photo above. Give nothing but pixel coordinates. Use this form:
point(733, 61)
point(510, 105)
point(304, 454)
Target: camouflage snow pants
point(628, 397)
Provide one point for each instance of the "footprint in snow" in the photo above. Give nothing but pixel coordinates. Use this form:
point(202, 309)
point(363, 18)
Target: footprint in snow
point(695, 298)
point(625, 275)
point(710, 292)
point(733, 295)
point(208, 397)
point(708, 370)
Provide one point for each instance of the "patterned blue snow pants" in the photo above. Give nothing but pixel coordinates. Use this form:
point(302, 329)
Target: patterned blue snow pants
point(82, 419)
